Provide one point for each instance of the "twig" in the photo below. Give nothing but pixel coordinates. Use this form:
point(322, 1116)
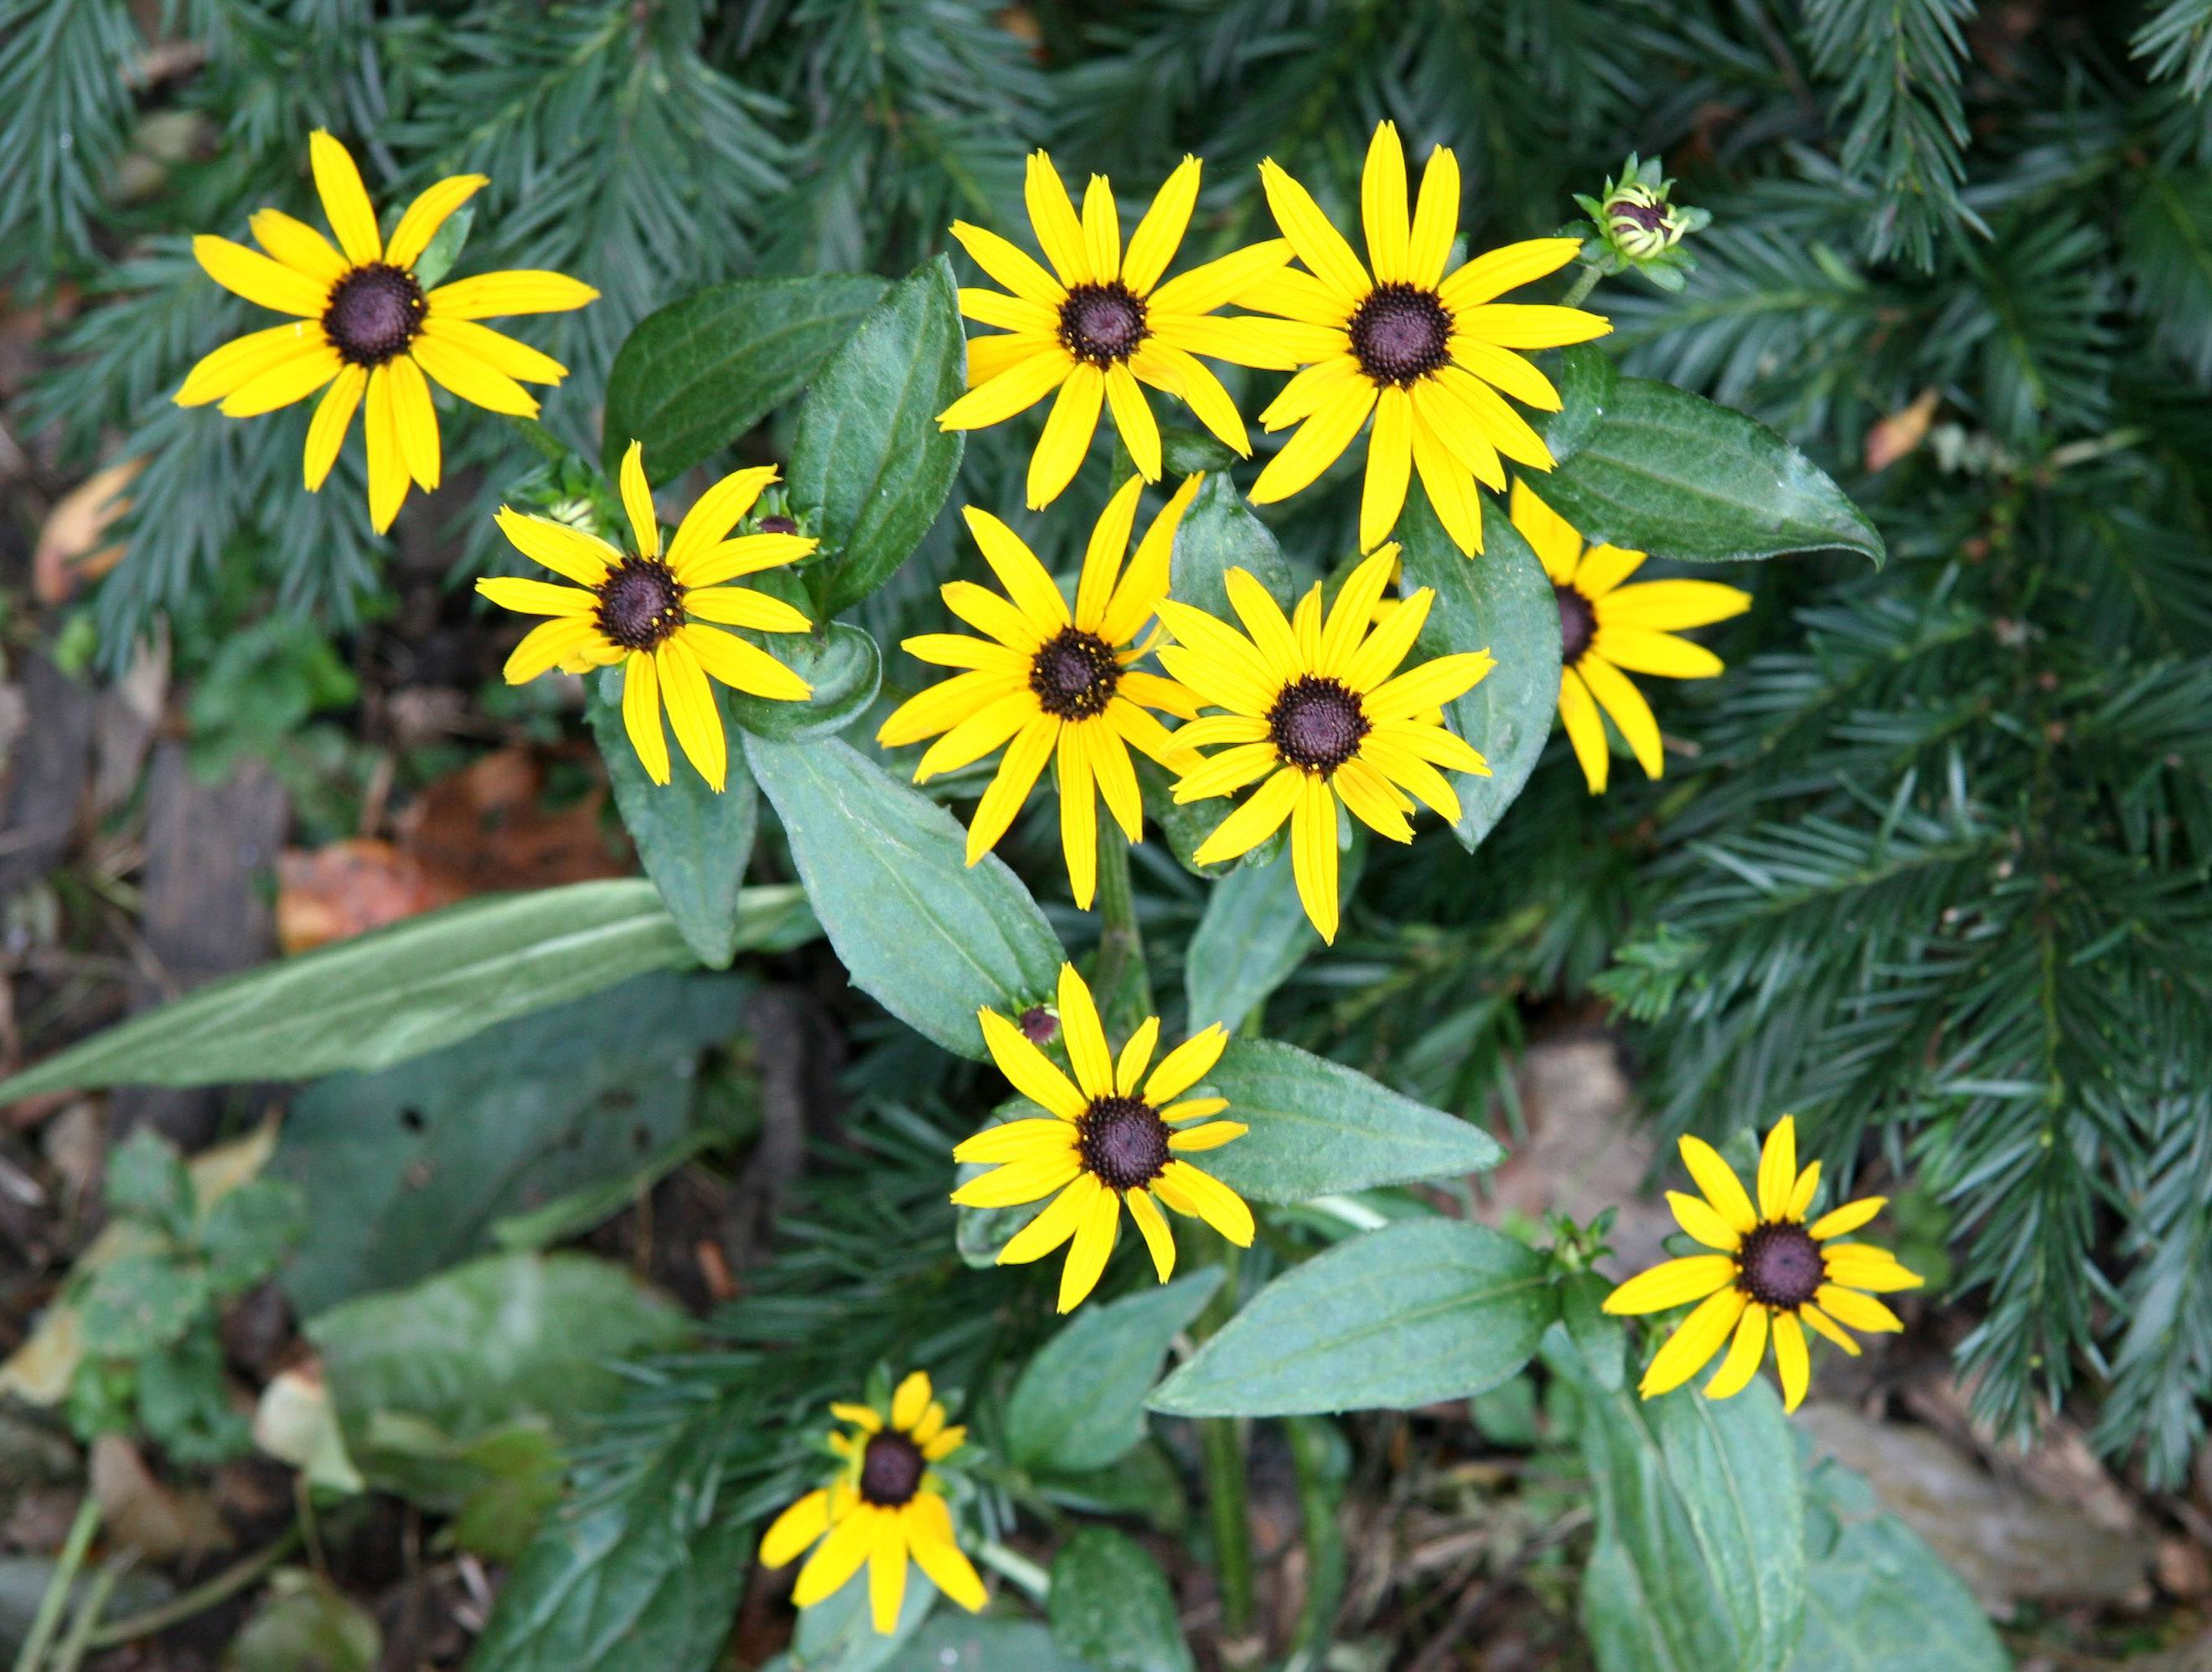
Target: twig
point(48, 1619)
point(1477, 1602)
point(70, 1655)
point(229, 1582)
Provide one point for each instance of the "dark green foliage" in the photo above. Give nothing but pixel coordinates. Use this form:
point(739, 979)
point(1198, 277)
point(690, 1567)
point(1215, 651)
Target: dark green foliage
point(1928, 866)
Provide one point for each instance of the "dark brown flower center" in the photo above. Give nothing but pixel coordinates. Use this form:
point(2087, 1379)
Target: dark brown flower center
point(1400, 334)
point(1779, 1264)
point(1577, 624)
point(641, 604)
point(890, 1470)
point(374, 312)
point(1103, 323)
point(1074, 674)
point(1316, 723)
point(1650, 216)
point(1123, 1142)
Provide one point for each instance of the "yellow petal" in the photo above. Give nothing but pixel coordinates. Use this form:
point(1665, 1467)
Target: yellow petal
point(1436, 221)
point(345, 200)
point(1318, 443)
point(1778, 1169)
point(1186, 1065)
point(1066, 437)
point(1093, 1245)
point(1846, 1219)
point(1791, 1361)
point(1134, 421)
point(417, 420)
point(298, 245)
point(1055, 1225)
point(1033, 1074)
point(641, 715)
point(1159, 234)
point(1026, 1140)
point(1526, 326)
point(1626, 704)
point(250, 274)
point(495, 350)
point(1859, 1311)
point(1497, 271)
point(327, 430)
point(581, 557)
point(1318, 244)
point(1018, 769)
point(536, 597)
point(243, 359)
point(1718, 1179)
point(1015, 389)
point(284, 382)
point(1383, 204)
point(1670, 1283)
point(474, 381)
point(637, 501)
point(1084, 1035)
point(1693, 1343)
point(429, 212)
point(486, 295)
point(1313, 854)
point(1010, 265)
point(1251, 824)
point(1585, 730)
point(1101, 230)
point(929, 1536)
point(1193, 1140)
point(887, 1572)
point(1659, 653)
point(797, 1527)
point(1744, 1353)
point(1201, 1194)
point(387, 465)
point(1017, 1182)
point(743, 666)
point(1390, 467)
point(1159, 1241)
point(1052, 216)
point(837, 1558)
point(1695, 1216)
point(692, 712)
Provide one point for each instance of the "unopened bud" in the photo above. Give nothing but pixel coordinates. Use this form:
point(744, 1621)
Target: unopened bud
point(1642, 222)
point(778, 525)
point(1039, 1023)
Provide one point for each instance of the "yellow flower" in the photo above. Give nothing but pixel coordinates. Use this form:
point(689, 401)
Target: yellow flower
point(1313, 710)
point(363, 325)
point(1100, 324)
point(1430, 355)
point(885, 1505)
point(649, 611)
point(1053, 685)
point(1604, 627)
point(1772, 1273)
point(1110, 1141)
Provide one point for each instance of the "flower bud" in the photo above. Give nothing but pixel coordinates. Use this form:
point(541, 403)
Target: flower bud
point(1641, 222)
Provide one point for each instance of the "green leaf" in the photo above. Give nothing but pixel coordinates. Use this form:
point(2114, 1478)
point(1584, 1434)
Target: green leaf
point(1669, 473)
point(1418, 1312)
point(1700, 1555)
point(454, 1392)
point(1318, 1128)
point(1186, 451)
point(1219, 533)
point(184, 1402)
point(139, 1304)
point(146, 1179)
point(1877, 1599)
point(1254, 934)
point(1598, 1338)
point(382, 997)
point(481, 1344)
point(694, 843)
point(701, 372)
point(869, 461)
point(248, 1231)
point(1111, 1607)
point(445, 247)
point(842, 664)
point(1498, 601)
point(838, 1633)
point(930, 938)
point(306, 1622)
point(1144, 1484)
point(406, 1170)
point(957, 1642)
point(1080, 1403)
point(1585, 379)
point(646, 1577)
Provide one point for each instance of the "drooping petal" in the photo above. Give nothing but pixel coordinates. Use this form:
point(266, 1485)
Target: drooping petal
point(1585, 730)
point(1019, 770)
point(1134, 421)
point(1744, 1353)
point(1313, 854)
point(929, 1536)
point(387, 465)
point(1390, 467)
point(837, 1558)
point(642, 715)
point(1153, 1225)
point(327, 430)
point(692, 712)
point(1318, 443)
point(1066, 438)
point(1693, 1343)
point(1791, 1362)
point(797, 1527)
point(417, 420)
point(1092, 1247)
point(1624, 703)
point(887, 1572)
point(1189, 1191)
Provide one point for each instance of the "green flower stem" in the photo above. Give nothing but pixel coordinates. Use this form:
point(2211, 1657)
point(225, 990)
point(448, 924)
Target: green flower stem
point(1024, 1574)
point(1122, 984)
point(1221, 1447)
point(48, 1620)
point(1581, 287)
point(70, 1656)
point(550, 445)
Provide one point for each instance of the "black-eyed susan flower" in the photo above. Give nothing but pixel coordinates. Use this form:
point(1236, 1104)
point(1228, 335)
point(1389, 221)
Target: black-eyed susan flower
point(885, 1506)
point(1315, 716)
point(1101, 325)
point(1431, 355)
point(1771, 1276)
point(1049, 683)
point(363, 325)
point(661, 615)
point(1113, 1137)
point(1607, 631)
